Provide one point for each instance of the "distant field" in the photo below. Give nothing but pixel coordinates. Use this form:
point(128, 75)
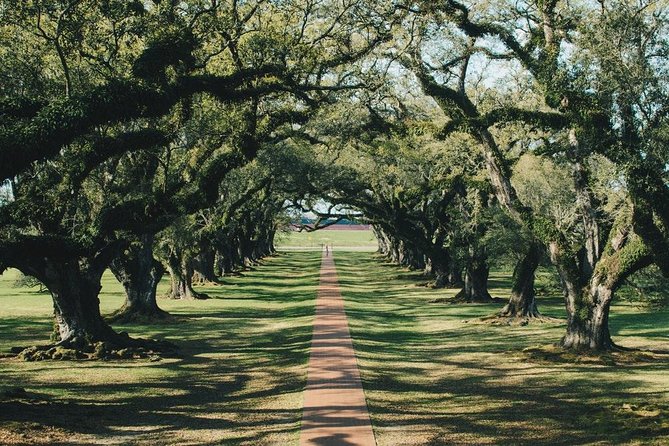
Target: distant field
point(337, 238)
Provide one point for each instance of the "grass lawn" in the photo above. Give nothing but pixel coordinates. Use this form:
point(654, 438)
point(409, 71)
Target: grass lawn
point(432, 379)
point(240, 380)
point(339, 239)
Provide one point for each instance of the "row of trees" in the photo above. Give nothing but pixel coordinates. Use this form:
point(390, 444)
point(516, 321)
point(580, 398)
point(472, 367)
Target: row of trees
point(461, 130)
point(133, 130)
point(540, 128)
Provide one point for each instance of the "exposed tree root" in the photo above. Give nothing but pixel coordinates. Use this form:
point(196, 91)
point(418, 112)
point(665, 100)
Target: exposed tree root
point(510, 319)
point(234, 274)
point(459, 300)
point(127, 315)
point(122, 347)
point(615, 356)
point(194, 295)
point(208, 283)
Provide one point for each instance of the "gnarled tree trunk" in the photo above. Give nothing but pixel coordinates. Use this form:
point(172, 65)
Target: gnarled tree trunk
point(181, 278)
point(139, 273)
point(439, 267)
point(588, 306)
point(522, 302)
point(75, 289)
point(588, 326)
point(204, 266)
point(476, 280)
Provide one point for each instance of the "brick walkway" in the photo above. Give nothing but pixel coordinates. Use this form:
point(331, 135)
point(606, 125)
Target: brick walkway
point(335, 410)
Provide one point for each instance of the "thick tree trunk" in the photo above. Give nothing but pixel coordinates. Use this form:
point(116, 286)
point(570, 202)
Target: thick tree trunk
point(74, 285)
point(522, 303)
point(77, 306)
point(439, 267)
point(588, 326)
point(203, 264)
point(588, 306)
point(455, 276)
point(476, 283)
point(80, 330)
point(139, 273)
point(181, 279)
point(245, 252)
point(411, 257)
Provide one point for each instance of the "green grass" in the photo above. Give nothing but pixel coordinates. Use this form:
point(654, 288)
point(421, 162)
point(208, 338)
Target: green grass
point(432, 379)
point(339, 239)
point(240, 380)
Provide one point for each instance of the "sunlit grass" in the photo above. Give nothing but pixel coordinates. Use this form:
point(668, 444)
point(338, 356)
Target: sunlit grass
point(433, 378)
point(239, 381)
point(431, 372)
point(339, 239)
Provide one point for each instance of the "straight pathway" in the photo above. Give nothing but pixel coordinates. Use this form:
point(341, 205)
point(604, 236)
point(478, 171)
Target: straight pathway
point(335, 410)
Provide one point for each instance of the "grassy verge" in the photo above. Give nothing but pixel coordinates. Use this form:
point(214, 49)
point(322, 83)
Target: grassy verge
point(432, 379)
point(240, 380)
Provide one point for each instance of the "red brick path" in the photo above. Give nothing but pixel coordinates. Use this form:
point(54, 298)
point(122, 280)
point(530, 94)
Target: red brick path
point(335, 410)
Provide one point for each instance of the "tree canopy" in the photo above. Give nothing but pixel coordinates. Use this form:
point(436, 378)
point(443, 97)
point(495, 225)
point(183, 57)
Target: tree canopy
point(145, 136)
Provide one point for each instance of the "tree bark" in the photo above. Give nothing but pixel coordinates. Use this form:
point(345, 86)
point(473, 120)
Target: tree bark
point(181, 279)
point(203, 264)
point(139, 273)
point(588, 306)
point(439, 265)
point(455, 276)
point(522, 302)
point(74, 285)
point(588, 327)
point(476, 282)
point(77, 306)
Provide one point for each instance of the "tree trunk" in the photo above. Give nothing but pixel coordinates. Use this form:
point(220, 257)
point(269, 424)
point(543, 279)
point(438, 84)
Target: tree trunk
point(588, 306)
point(522, 303)
point(181, 279)
point(77, 306)
point(382, 240)
point(455, 276)
point(476, 283)
point(203, 264)
point(439, 266)
point(411, 257)
point(588, 327)
point(139, 273)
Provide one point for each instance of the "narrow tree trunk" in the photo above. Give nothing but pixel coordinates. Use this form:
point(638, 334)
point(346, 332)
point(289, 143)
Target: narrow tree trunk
point(382, 240)
point(522, 303)
point(139, 273)
point(219, 264)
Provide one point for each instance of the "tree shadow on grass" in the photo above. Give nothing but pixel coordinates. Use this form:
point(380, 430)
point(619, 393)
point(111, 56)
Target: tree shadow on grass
point(243, 366)
point(429, 377)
